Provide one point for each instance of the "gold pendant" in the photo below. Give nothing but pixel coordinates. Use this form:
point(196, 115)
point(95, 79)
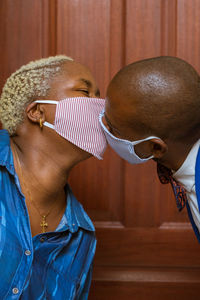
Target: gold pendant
point(44, 224)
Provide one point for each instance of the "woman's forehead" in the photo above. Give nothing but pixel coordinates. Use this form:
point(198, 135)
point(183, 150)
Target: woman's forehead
point(75, 69)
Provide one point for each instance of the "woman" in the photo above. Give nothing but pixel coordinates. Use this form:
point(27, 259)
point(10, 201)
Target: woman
point(47, 241)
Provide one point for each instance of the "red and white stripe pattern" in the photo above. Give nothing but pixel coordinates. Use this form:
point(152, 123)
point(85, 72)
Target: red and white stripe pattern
point(77, 120)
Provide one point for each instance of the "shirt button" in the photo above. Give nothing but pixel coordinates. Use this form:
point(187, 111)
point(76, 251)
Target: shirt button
point(73, 224)
point(15, 290)
point(28, 252)
point(42, 239)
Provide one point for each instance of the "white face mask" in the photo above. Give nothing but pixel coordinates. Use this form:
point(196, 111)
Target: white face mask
point(76, 120)
point(124, 148)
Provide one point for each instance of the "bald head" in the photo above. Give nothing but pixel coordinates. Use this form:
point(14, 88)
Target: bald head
point(158, 96)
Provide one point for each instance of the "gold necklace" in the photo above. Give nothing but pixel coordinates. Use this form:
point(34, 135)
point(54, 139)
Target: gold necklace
point(43, 223)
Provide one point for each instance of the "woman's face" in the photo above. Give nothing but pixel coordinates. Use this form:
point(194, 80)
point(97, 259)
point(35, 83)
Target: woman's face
point(75, 80)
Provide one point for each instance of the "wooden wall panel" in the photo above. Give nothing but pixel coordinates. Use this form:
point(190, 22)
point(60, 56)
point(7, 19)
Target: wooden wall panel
point(149, 203)
point(142, 290)
point(83, 33)
point(92, 33)
point(168, 27)
point(153, 232)
point(188, 31)
point(143, 29)
point(24, 34)
point(146, 249)
point(136, 217)
point(150, 31)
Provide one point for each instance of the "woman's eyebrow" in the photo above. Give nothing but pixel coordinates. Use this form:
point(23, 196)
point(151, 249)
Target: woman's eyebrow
point(88, 83)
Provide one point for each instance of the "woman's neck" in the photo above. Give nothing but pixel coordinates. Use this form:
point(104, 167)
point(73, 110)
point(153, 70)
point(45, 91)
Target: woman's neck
point(44, 171)
point(43, 174)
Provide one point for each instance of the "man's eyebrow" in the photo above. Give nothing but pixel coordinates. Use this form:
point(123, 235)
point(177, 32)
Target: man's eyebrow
point(89, 85)
point(97, 93)
point(110, 125)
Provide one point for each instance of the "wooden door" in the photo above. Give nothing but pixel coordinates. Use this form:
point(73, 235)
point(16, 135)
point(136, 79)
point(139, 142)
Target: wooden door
point(146, 249)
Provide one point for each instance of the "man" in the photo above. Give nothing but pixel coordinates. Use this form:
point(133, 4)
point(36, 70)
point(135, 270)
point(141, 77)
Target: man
point(153, 112)
point(49, 111)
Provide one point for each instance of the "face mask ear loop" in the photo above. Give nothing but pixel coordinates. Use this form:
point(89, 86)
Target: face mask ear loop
point(47, 124)
point(46, 101)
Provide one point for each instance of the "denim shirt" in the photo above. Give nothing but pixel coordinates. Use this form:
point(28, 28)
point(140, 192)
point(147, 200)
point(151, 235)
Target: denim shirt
point(53, 265)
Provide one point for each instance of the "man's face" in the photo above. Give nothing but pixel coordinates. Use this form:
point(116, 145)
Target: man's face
point(122, 119)
point(119, 111)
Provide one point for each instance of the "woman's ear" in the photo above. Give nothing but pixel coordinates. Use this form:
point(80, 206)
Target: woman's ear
point(35, 113)
point(158, 148)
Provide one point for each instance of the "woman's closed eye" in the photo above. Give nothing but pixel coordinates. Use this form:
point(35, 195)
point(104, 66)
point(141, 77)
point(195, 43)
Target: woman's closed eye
point(84, 91)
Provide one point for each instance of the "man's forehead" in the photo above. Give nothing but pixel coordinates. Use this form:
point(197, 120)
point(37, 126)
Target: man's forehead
point(119, 102)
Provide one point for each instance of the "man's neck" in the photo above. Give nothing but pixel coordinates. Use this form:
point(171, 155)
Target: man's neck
point(176, 155)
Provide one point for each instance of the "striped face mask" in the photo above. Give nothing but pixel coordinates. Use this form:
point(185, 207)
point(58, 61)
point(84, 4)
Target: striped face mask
point(76, 120)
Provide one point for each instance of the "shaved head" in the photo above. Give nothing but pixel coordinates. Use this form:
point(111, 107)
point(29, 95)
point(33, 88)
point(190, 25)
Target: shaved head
point(158, 96)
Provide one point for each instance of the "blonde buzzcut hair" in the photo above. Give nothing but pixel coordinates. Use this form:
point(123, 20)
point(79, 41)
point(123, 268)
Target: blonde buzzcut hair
point(26, 84)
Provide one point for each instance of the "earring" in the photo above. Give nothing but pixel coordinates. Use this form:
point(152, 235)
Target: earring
point(41, 124)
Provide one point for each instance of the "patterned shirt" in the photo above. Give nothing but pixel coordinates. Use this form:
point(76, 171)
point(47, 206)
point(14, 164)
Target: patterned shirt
point(185, 175)
point(53, 265)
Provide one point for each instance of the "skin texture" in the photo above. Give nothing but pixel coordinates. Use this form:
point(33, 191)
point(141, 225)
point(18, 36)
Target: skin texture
point(159, 97)
point(45, 157)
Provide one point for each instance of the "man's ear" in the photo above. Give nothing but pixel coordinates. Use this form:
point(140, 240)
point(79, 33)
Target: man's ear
point(35, 112)
point(158, 148)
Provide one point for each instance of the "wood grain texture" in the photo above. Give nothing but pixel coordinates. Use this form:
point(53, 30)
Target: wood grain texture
point(92, 33)
point(83, 32)
point(142, 290)
point(98, 187)
point(145, 283)
point(143, 29)
point(146, 249)
point(147, 275)
point(188, 31)
point(23, 34)
point(169, 27)
point(147, 202)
